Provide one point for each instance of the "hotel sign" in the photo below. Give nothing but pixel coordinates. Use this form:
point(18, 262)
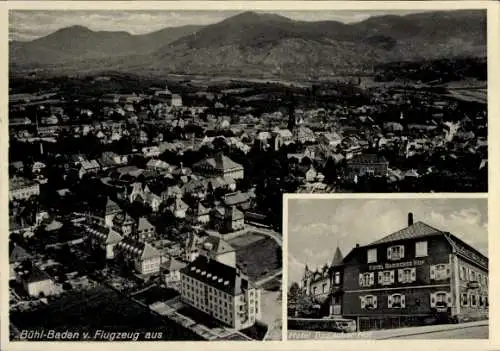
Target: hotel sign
point(406, 264)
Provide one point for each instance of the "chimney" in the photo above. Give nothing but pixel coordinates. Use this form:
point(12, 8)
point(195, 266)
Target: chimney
point(357, 245)
point(410, 219)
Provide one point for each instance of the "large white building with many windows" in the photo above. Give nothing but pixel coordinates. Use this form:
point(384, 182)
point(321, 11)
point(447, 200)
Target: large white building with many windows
point(220, 291)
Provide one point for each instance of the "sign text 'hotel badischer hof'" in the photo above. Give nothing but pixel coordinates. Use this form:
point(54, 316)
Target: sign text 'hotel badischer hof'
point(412, 263)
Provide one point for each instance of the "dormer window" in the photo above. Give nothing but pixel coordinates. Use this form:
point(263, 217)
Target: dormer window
point(396, 252)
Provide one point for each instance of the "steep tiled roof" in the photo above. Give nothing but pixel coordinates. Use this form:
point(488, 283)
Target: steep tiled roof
point(138, 249)
point(217, 275)
point(111, 207)
point(17, 254)
point(220, 162)
point(144, 224)
point(236, 198)
point(416, 230)
point(103, 234)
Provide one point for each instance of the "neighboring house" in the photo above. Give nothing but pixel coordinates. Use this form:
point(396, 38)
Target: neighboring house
point(238, 199)
point(178, 208)
point(38, 167)
point(88, 167)
point(22, 188)
point(227, 219)
point(143, 257)
point(198, 214)
point(220, 165)
point(173, 273)
point(35, 282)
point(17, 255)
point(367, 165)
point(145, 230)
point(104, 239)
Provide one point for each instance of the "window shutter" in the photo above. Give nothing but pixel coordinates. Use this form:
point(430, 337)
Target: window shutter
point(372, 278)
point(433, 300)
point(389, 253)
point(360, 279)
point(403, 303)
point(363, 303)
point(448, 271)
point(433, 272)
point(468, 274)
point(392, 277)
point(402, 250)
point(380, 278)
point(413, 274)
point(448, 299)
point(374, 302)
point(400, 275)
point(389, 301)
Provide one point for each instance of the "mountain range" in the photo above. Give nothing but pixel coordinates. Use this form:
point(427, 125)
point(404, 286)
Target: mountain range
point(257, 44)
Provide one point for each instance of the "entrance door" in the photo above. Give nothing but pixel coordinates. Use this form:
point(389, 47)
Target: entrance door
point(336, 307)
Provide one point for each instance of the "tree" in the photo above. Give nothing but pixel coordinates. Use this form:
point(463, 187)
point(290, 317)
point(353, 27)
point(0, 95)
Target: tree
point(294, 292)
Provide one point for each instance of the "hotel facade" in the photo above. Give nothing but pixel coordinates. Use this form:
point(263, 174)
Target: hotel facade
point(415, 275)
point(220, 291)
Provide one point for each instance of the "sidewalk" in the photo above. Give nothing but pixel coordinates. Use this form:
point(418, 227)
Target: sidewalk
point(381, 334)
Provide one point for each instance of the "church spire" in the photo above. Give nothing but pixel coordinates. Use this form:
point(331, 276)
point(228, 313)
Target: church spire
point(338, 258)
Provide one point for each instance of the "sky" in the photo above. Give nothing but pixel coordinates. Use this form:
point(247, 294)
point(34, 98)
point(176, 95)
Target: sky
point(29, 25)
point(317, 227)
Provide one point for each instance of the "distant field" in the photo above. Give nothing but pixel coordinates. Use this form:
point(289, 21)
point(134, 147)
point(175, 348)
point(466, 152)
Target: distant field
point(475, 95)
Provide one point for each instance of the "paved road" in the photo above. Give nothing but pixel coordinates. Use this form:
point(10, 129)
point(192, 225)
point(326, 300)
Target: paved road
point(480, 332)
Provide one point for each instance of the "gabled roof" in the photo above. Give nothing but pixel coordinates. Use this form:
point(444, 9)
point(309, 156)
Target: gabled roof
point(144, 224)
point(138, 249)
point(17, 253)
point(219, 162)
point(414, 231)
point(111, 207)
point(216, 245)
point(337, 258)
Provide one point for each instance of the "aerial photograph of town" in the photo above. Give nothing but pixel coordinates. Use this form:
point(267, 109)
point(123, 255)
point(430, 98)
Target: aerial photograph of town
point(149, 152)
point(395, 275)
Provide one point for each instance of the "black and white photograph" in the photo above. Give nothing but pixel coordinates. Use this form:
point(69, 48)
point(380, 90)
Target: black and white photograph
point(380, 269)
point(149, 152)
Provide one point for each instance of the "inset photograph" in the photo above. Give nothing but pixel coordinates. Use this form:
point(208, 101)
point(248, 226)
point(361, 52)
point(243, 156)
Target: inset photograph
point(387, 268)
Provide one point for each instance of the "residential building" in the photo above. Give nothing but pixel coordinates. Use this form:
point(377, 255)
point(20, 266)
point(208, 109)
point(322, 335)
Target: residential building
point(227, 219)
point(141, 256)
point(35, 281)
point(173, 273)
point(219, 165)
point(198, 214)
point(103, 239)
point(22, 188)
point(367, 165)
point(220, 291)
point(145, 230)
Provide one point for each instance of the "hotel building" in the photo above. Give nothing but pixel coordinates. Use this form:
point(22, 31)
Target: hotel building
point(409, 277)
point(220, 291)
